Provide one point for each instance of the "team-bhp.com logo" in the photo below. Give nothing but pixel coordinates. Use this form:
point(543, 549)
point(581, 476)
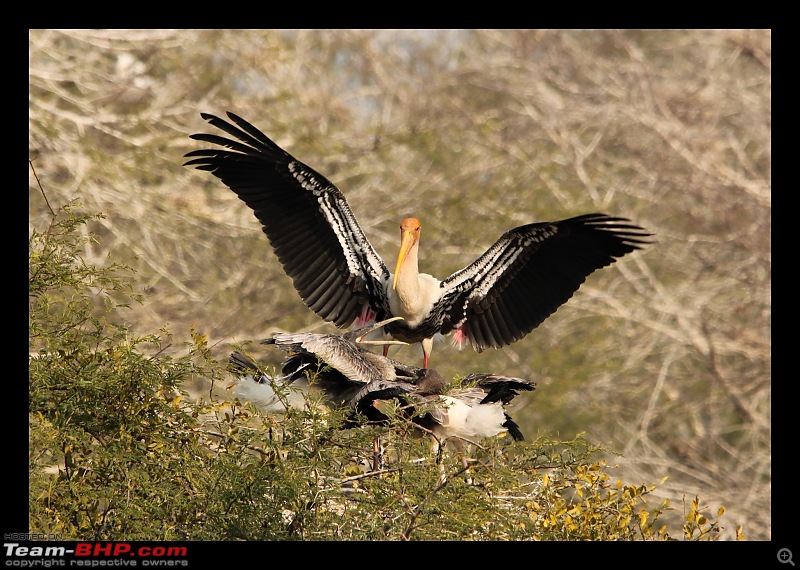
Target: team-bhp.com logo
point(94, 554)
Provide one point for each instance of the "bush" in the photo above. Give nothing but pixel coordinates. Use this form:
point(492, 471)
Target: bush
point(118, 451)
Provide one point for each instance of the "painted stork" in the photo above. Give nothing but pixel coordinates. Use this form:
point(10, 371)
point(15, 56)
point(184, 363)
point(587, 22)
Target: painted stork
point(351, 367)
point(527, 274)
point(350, 375)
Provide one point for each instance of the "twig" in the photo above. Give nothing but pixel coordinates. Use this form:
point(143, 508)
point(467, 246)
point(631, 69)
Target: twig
point(39, 182)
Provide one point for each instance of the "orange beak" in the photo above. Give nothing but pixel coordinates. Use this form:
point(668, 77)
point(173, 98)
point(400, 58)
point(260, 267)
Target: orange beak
point(409, 238)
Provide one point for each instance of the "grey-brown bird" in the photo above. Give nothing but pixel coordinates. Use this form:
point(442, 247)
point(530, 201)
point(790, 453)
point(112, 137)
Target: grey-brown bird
point(349, 374)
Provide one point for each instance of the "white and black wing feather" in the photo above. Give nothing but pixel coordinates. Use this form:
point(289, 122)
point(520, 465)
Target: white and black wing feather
point(498, 388)
point(306, 218)
point(529, 273)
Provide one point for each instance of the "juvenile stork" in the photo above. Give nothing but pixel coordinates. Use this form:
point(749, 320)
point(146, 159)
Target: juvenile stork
point(348, 374)
point(499, 298)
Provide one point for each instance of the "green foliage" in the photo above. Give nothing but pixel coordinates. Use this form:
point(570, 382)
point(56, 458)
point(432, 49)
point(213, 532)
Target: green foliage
point(117, 450)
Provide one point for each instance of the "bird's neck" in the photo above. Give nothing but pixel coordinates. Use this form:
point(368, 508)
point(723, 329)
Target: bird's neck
point(408, 288)
point(416, 293)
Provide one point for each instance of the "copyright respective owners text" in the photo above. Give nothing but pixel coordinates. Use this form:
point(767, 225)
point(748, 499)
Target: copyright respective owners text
point(49, 551)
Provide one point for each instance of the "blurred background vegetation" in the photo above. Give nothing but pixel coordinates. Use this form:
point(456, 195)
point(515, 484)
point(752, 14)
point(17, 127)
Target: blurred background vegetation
point(664, 357)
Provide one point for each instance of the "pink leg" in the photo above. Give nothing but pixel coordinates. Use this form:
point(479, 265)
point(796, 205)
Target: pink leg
point(427, 346)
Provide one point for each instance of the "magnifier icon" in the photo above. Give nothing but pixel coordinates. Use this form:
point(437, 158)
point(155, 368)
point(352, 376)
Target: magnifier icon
point(785, 556)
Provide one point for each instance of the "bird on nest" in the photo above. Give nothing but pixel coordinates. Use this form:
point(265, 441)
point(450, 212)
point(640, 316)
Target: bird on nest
point(348, 374)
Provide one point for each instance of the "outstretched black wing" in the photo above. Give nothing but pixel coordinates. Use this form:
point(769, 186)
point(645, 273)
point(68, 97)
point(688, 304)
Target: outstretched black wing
point(498, 388)
point(306, 218)
point(529, 273)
